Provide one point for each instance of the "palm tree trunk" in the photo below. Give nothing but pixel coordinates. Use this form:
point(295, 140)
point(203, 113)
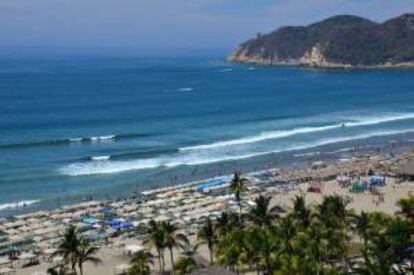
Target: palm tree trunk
point(163, 261)
point(240, 213)
point(172, 257)
point(74, 268)
point(210, 248)
point(81, 268)
point(159, 260)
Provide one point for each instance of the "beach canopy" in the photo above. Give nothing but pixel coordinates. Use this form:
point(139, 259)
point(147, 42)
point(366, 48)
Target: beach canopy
point(376, 181)
point(357, 187)
point(210, 184)
point(90, 220)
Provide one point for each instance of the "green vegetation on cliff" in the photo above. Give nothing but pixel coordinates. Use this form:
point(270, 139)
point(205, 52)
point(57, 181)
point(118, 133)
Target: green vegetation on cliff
point(339, 40)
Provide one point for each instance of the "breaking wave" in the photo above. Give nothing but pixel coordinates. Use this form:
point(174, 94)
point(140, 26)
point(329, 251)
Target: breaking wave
point(100, 158)
point(109, 167)
point(18, 204)
point(75, 140)
point(303, 130)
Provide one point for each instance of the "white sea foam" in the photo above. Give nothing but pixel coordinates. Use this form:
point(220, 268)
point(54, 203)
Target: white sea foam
point(100, 158)
point(343, 150)
point(188, 89)
point(303, 130)
point(108, 167)
point(379, 119)
point(18, 204)
point(102, 138)
point(75, 139)
point(227, 70)
point(262, 137)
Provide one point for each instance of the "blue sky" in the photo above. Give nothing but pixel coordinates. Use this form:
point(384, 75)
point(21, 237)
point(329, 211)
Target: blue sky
point(169, 24)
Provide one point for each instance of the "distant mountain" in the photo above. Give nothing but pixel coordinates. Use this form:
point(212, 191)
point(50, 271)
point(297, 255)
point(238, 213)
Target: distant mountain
point(340, 41)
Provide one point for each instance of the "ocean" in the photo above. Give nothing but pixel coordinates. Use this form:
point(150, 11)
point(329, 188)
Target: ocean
point(75, 128)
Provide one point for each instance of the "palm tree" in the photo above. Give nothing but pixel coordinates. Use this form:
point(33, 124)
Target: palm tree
point(58, 270)
point(141, 262)
point(286, 230)
point(301, 213)
point(156, 238)
point(407, 206)
point(238, 187)
point(226, 222)
point(208, 235)
point(312, 246)
point(377, 259)
point(185, 264)
point(362, 227)
point(68, 248)
point(259, 244)
point(261, 213)
point(171, 238)
point(230, 250)
point(85, 253)
point(333, 217)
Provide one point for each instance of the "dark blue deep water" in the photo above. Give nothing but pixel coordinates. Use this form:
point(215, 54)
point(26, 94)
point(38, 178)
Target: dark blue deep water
point(99, 126)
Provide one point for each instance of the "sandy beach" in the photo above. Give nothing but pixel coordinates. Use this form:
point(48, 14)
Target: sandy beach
point(117, 227)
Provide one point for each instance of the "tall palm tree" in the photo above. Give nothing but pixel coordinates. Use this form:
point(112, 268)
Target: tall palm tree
point(259, 245)
point(226, 222)
point(208, 235)
point(286, 230)
point(261, 213)
point(85, 253)
point(230, 250)
point(68, 247)
point(141, 262)
point(301, 213)
point(334, 218)
point(171, 238)
point(156, 238)
point(238, 188)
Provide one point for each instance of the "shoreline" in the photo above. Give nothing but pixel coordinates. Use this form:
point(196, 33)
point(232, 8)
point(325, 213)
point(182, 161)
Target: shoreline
point(321, 66)
point(186, 204)
point(295, 160)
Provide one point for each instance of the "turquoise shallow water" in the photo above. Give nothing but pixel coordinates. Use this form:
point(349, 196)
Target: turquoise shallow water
point(73, 127)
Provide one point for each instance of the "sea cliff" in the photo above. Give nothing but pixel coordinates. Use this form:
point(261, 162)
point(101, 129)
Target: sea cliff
point(343, 41)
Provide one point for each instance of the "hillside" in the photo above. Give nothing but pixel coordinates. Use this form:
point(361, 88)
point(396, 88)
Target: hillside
point(340, 41)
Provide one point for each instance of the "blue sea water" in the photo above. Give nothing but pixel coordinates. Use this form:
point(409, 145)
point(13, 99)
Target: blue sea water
point(73, 127)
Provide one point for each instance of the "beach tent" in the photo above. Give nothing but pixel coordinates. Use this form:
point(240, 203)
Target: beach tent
point(90, 220)
point(210, 184)
point(357, 188)
point(376, 181)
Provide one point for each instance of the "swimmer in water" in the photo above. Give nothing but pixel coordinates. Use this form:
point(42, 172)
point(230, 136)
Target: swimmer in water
point(343, 125)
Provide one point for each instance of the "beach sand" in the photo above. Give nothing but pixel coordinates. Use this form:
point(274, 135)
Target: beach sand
point(192, 202)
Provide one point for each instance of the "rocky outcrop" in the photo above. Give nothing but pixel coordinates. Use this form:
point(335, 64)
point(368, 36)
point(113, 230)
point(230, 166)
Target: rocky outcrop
point(338, 42)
